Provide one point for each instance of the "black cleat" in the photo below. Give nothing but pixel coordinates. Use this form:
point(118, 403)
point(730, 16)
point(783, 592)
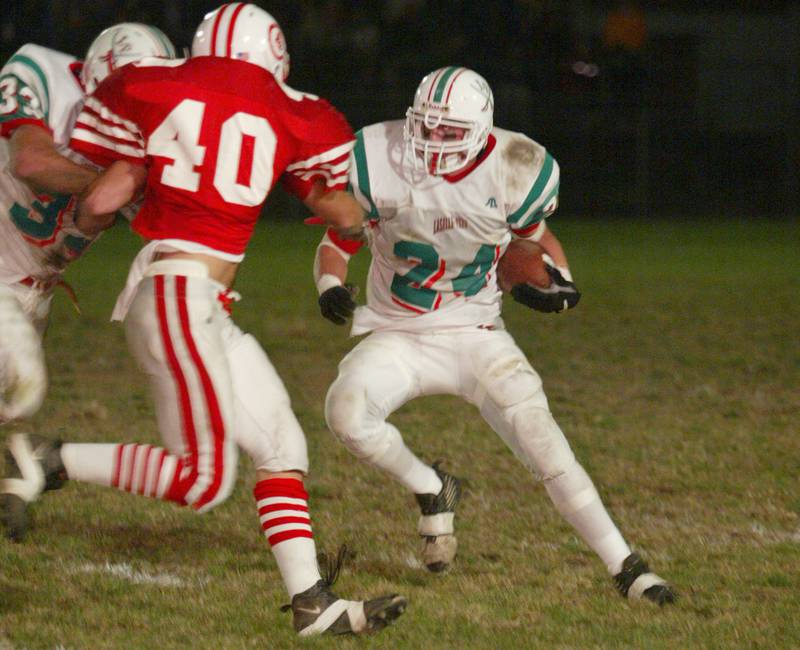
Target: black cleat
point(436, 522)
point(636, 581)
point(32, 465)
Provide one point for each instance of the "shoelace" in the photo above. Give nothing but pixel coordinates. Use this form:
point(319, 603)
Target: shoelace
point(330, 567)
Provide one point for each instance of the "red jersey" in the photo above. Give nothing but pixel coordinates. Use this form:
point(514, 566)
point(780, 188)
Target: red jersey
point(215, 134)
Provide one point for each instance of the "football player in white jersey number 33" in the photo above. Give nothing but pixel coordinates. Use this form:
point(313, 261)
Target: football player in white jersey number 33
point(446, 191)
point(41, 94)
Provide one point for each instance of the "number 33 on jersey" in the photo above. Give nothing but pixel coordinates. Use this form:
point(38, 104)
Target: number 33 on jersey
point(215, 138)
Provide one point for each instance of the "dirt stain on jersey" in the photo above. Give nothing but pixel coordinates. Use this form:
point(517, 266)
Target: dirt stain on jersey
point(522, 157)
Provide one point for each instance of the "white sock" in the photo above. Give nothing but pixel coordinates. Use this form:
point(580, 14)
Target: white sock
point(139, 469)
point(89, 463)
point(576, 498)
point(401, 463)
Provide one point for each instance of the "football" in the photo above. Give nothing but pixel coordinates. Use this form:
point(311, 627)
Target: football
point(522, 263)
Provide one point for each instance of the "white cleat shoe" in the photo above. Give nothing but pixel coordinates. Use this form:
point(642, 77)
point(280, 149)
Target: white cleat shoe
point(436, 522)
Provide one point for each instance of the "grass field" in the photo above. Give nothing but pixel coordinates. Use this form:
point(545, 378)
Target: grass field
point(677, 381)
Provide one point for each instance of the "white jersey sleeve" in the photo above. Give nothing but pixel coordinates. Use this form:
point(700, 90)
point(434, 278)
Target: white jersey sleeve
point(533, 179)
point(38, 237)
point(39, 85)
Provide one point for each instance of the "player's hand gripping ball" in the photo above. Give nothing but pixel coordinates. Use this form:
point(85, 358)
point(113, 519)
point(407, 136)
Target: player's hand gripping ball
point(524, 272)
point(522, 263)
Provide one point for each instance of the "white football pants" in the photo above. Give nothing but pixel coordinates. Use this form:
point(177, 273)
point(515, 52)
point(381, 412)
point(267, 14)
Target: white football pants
point(23, 375)
point(487, 369)
point(484, 367)
point(214, 387)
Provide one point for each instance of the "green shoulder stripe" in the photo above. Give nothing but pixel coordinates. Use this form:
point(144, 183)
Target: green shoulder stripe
point(362, 172)
point(536, 190)
point(30, 63)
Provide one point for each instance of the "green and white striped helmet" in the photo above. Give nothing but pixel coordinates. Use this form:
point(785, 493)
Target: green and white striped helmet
point(453, 97)
point(120, 44)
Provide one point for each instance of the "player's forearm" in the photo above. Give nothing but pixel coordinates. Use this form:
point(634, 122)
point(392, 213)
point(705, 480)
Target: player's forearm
point(109, 192)
point(554, 249)
point(337, 208)
point(330, 266)
point(36, 161)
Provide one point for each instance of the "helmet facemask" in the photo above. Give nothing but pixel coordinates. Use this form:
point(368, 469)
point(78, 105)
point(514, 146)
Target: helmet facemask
point(449, 124)
point(447, 154)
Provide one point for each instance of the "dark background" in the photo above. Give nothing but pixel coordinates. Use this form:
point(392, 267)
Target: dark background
point(690, 108)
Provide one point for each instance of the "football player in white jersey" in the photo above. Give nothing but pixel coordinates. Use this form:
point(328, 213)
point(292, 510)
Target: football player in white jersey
point(446, 191)
point(41, 94)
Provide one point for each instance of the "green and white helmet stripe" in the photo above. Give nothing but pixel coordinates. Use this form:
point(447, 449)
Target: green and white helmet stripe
point(544, 190)
point(447, 76)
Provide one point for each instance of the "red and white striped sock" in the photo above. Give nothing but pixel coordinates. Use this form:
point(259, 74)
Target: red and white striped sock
point(138, 469)
point(283, 511)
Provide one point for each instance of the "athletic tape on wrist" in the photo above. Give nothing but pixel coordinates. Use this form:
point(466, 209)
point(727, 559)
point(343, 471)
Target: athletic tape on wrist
point(327, 281)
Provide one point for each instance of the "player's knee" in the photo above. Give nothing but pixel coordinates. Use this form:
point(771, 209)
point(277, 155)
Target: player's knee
point(511, 381)
point(544, 449)
point(345, 407)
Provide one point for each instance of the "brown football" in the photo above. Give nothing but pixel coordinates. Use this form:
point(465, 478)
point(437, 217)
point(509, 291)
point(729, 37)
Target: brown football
point(522, 263)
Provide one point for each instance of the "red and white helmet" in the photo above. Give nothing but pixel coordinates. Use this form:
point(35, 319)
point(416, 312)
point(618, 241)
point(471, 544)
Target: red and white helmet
point(243, 31)
point(449, 97)
point(120, 44)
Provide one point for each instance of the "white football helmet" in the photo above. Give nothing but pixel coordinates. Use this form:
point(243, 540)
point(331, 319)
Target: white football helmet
point(449, 97)
point(243, 31)
point(120, 44)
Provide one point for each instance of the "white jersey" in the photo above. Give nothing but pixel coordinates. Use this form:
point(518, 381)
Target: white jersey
point(435, 240)
point(38, 237)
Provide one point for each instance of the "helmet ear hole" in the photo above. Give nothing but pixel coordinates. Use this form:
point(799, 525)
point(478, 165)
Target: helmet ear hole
point(119, 45)
point(453, 98)
point(243, 31)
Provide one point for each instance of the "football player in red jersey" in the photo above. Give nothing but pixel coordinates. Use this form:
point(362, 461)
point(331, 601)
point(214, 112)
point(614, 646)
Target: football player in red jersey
point(207, 138)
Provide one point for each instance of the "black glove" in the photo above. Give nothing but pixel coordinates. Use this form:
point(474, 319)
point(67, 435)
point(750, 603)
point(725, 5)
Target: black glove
point(560, 295)
point(337, 304)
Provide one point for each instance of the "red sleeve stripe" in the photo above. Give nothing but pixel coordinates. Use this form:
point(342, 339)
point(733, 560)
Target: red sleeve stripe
point(527, 232)
point(348, 246)
point(7, 128)
point(331, 180)
point(94, 122)
point(329, 156)
point(340, 165)
point(100, 155)
point(102, 111)
point(91, 138)
point(111, 134)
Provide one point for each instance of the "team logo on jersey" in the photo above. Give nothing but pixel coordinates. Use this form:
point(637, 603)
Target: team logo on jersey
point(441, 224)
point(491, 203)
